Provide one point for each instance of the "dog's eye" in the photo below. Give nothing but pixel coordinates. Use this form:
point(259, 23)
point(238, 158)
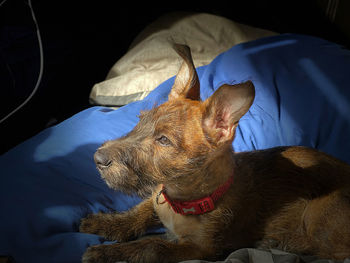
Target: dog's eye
point(164, 141)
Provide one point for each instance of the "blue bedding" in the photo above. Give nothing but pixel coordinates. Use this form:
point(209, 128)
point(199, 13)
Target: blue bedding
point(50, 182)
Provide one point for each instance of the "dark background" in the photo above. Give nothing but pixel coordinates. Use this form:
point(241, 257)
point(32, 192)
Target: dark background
point(83, 39)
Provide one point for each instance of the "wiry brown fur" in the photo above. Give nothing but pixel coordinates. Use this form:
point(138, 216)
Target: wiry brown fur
point(292, 198)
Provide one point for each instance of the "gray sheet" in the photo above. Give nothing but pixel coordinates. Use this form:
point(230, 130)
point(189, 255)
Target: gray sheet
point(251, 255)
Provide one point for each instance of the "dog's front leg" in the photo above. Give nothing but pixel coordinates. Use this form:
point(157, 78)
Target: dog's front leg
point(121, 226)
point(145, 250)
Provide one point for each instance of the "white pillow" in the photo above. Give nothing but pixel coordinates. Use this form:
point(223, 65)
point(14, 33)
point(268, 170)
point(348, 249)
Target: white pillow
point(151, 59)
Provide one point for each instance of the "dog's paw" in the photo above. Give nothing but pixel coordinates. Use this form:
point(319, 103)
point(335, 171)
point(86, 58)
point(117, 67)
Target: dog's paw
point(97, 254)
point(111, 253)
point(94, 224)
point(110, 226)
point(139, 251)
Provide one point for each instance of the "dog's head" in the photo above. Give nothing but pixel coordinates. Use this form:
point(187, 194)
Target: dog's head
point(178, 138)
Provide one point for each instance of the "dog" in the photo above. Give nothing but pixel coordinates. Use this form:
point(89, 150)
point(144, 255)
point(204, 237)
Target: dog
point(179, 158)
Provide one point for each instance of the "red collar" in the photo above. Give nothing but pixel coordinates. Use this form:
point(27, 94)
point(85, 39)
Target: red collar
point(199, 206)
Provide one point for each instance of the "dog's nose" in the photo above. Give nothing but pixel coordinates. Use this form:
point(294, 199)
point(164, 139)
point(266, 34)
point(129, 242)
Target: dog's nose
point(101, 158)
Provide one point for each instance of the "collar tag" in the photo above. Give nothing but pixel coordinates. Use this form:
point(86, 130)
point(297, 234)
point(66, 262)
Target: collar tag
point(197, 207)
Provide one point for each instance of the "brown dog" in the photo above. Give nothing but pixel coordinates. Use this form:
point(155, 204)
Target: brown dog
point(211, 199)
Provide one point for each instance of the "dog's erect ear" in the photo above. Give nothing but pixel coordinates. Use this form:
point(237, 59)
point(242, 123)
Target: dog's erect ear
point(223, 110)
point(186, 83)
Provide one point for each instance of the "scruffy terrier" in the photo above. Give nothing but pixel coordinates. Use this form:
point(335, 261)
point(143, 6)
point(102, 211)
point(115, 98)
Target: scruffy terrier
point(179, 157)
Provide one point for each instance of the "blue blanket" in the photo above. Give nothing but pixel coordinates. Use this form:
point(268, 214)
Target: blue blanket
point(49, 182)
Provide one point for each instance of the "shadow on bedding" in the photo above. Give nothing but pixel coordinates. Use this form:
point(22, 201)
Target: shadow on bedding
point(42, 204)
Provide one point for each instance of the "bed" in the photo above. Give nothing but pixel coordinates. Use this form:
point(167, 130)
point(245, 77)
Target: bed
point(49, 182)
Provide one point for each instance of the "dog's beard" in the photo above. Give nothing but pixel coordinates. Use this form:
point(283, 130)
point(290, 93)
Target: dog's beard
point(128, 180)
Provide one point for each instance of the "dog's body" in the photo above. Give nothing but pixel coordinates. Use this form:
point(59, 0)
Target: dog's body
point(292, 198)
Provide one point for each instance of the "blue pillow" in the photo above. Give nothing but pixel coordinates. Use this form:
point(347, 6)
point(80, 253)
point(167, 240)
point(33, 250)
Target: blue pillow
point(50, 182)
